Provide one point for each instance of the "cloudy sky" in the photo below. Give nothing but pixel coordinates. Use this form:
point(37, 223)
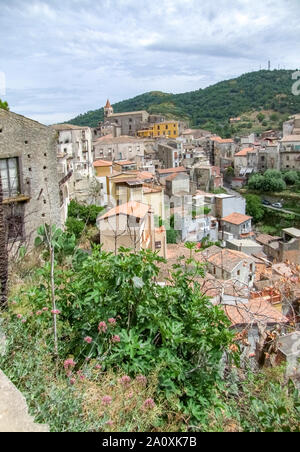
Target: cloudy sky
point(65, 57)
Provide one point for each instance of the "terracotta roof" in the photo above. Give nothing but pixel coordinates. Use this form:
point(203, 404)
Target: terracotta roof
point(244, 152)
point(265, 239)
point(236, 218)
point(227, 259)
point(256, 311)
point(124, 162)
point(100, 163)
point(107, 104)
point(221, 140)
point(289, 138)
point(132, 208)
point(179, 169)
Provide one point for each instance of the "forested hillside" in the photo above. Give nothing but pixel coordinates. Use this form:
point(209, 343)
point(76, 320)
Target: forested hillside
point(213, 106)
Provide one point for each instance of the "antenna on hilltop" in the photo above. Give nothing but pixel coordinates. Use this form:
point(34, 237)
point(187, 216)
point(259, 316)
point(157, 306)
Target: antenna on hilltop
point(269, 65)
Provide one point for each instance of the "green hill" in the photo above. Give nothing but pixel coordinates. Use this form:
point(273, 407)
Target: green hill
point(213, 106)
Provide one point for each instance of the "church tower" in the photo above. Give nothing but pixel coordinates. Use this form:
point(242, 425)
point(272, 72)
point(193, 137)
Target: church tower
point(108, 110)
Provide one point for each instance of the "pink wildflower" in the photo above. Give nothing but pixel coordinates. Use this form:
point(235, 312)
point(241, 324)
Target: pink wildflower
point(102, 327)
point(19, 316)
point(14, 303)
point(106, 400)
point(125, 380)
point(55, 311)
point(130, 395)
point(45, 309)
point(87, 359)
point(69, 363)
point(98, 366)
point(88, 339)
point(82, 377)
point(110, 423)
point(116, 339)
point(251, 355)
point(112, 321)
point(141, 379)
point(39, 313)
point(149, 404)
point(72, 381)
point(24, 321)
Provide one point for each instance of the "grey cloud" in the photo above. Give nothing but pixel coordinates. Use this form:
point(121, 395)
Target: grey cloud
point(66, 57)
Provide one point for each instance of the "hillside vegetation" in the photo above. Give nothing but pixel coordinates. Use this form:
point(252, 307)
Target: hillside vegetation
point(248, 95)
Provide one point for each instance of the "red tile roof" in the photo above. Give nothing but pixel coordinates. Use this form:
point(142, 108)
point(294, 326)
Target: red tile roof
point(244, 152)
point(179, 169)
point(256, 311)
point(132, 208)
point(236, 218)
point(100, 163)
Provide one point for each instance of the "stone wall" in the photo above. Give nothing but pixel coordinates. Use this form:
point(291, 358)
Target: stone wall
point(34, 145)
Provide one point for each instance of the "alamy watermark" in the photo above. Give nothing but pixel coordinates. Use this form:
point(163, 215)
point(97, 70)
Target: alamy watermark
point(296, 85)
point(2, 84)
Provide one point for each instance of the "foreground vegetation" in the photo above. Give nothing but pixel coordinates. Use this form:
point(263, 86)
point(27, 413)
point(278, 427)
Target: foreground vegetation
point(132, 355)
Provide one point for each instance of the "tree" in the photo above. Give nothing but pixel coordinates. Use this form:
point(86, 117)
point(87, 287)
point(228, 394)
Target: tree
point(291, 177)
point(4, 105)
point(254, 207)
point(260, 117)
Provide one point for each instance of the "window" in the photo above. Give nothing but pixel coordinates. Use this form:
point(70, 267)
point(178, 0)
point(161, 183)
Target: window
point(239, 272)
point(9, 170)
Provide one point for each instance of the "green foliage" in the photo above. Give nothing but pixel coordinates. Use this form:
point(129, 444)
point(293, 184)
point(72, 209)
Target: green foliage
point(260, 117)
point(254, 207)
point(291, 177)
point(64, 244)
point(173, 330)
point(212, 107)
point(86, 214)
point(4, 105)
point(75, 227)
point(271, 181)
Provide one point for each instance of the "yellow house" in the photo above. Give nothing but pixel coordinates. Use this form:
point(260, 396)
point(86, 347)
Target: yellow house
point(168, 129)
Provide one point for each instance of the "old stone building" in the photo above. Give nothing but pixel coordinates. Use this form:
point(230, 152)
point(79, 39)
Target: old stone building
point(119, 148)
point(127, 123)
point(28, 165)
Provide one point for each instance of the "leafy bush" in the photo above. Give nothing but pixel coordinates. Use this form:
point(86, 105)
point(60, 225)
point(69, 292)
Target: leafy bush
point(291, 177)
point(112, 311)
point(254, 207)
point(75, 227)
point(271, 181)
point(86, 214)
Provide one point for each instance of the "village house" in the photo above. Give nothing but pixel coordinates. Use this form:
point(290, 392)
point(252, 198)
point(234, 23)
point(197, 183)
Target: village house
point(246, 162)
point(164, 173)
point(206, 177)
point(136, 186)
point(170, 154)
point(30, 181)
point(75, 161)
point(165, 129)
point(221, 152)
point(177, 184)
point(228, 264)
point(119, 148)
point(103, 170)
point(236, 226)
point(131, 225)
point(289, 149)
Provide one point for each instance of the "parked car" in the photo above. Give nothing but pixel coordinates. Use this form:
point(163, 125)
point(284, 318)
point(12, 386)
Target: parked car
point(278, 205)
point(265, 202)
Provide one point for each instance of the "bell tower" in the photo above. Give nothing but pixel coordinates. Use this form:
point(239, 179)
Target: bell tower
point(108, 110)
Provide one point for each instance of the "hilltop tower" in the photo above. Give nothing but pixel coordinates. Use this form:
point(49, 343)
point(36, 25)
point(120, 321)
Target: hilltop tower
point(108, 110)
